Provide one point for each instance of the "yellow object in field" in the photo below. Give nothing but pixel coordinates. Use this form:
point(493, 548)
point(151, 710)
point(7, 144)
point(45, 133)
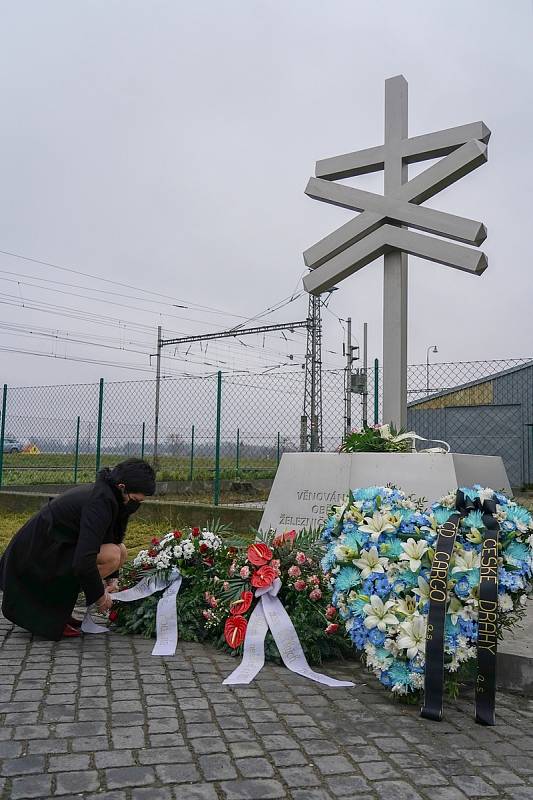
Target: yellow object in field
point(32, 449)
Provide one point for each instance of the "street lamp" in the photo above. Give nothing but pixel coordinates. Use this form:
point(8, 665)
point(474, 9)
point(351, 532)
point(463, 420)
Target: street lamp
point(433, 349)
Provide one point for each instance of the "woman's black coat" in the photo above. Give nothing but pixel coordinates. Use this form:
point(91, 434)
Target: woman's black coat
point(53, 556)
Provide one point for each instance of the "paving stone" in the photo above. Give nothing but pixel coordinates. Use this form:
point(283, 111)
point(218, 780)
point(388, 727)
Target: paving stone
point(243, 749)
point(10, 749)
point(113, 758)
point(312, 794)
point(127, 737)
point(347, 785)
point(177, 773)
point(68, 762)
point(289, 758)
point(217, 767)
point(297, 777)
point(209, 745)
point(474, 786)
point(254, 767)
point(165, 755)
point(252, 790)
point(333, 765)
point(428, 776)
point(31, 786)
point(159, 793)
point(121, 777)
point(396, 790)
point(23, 766)
point(194, 791)
point(77, 782)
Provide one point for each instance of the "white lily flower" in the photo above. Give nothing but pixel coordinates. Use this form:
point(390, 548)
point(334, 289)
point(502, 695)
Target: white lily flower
point(370, 561)
point(378, 614)
point(377, 524)
point(423, 591)
point(466, 560)
point(407, 607)
point(413, 638)
point(385, 432)
point(413, 552)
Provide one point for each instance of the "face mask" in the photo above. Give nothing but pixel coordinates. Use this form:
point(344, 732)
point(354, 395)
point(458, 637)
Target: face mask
point(132, 506)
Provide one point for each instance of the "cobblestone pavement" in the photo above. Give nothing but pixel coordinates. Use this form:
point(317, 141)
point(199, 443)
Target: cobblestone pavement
point(101, 719)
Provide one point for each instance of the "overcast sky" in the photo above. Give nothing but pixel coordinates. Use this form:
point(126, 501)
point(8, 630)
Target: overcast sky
point(167, 145)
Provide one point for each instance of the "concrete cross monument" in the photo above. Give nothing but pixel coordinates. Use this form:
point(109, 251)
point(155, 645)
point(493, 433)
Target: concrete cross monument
point(308, 484)
point(382, 226)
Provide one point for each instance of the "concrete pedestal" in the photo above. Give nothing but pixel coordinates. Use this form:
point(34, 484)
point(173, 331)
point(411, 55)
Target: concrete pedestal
point(308, 484)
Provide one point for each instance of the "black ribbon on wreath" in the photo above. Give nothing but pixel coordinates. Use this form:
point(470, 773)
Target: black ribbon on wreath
point(487, 615)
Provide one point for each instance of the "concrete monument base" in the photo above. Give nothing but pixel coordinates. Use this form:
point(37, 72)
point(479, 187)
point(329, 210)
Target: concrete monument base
point(308, 484)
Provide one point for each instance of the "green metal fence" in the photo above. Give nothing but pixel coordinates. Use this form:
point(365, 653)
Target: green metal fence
point(221, 437)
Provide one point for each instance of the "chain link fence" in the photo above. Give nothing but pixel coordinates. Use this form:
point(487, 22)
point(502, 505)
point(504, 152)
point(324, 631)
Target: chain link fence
point(221, 438)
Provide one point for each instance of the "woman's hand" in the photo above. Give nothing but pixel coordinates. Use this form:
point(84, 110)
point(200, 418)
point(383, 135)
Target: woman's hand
point(111, 585)
point(104, 602)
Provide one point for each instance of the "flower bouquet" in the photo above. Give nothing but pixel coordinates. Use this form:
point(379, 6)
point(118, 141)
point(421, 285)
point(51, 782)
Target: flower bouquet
point(294, 559)
point(377, 439)
point(381, 546)
point(194, 553)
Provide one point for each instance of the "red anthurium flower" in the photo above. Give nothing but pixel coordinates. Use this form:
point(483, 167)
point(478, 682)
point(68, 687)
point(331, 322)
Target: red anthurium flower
point(203, 548)
point(284, 538)
point(196, 532)
point(259, 554)
point(263, 577)
point(177, 534)
point(155, 540)
point(113, 615)
point(235, 631)
point(241, 606)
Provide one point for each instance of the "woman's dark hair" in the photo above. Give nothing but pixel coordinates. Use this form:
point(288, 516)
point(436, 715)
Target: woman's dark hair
point(136, 475)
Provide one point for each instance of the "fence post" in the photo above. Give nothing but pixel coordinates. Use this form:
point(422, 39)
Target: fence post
point(77, 454)
point(279, 449)
point(99, 430)
point(376, 391)
point(3, 433)
point(238, 452)
point(142, 440)
point(191, 466)
point(216, 484)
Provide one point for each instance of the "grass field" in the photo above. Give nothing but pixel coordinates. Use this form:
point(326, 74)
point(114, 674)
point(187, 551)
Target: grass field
point(138, 534)
point(24, 468)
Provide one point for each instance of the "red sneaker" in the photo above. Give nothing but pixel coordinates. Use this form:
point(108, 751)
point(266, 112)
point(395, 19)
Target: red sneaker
point(69, 632)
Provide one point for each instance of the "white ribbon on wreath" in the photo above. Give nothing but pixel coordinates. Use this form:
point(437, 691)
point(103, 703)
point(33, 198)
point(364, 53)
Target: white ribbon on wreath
point(166, 615)
point(385, 433)
point(270, 613)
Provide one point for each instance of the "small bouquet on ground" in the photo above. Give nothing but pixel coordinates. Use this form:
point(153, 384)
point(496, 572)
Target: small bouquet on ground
point(294, 558)
point(380, 550)
point(194, 553)
point(377, 439)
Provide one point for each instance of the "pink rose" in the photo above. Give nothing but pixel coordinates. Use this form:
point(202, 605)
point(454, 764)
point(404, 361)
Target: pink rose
point(314, 579)
point(316, 594)
point(213, 602)
point(294, 572)
point(299, 585)
point(207, 614)
point(300, 558)
point(244, 572)
point(331, 612)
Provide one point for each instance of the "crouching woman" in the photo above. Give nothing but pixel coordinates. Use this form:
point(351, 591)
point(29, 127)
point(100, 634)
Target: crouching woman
point(73, 543)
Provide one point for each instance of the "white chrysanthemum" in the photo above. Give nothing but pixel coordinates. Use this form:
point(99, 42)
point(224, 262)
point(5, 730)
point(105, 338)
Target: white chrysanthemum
point(140, 558)
point(177, 551)
point(370, 561)
point(505, 602)
point(379, 614)
point(417, 680)
point(413, 636)
point(413, 552)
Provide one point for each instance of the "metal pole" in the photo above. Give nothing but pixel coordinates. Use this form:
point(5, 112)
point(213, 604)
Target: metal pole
point(279, 449)
point(395, 263)
point(216, 487)
point(348, 420)
point(3, 433)
point(237, 454)
point(376, 391)
point(303, 433)
point(157, 391)
point(99, 429)
point(365, 374)
point(191, 466)
point(313, 446)
point(77, 455)
point(142, 439)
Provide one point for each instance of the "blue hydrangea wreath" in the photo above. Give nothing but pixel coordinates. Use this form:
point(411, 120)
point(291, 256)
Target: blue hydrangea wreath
point(380, 545)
